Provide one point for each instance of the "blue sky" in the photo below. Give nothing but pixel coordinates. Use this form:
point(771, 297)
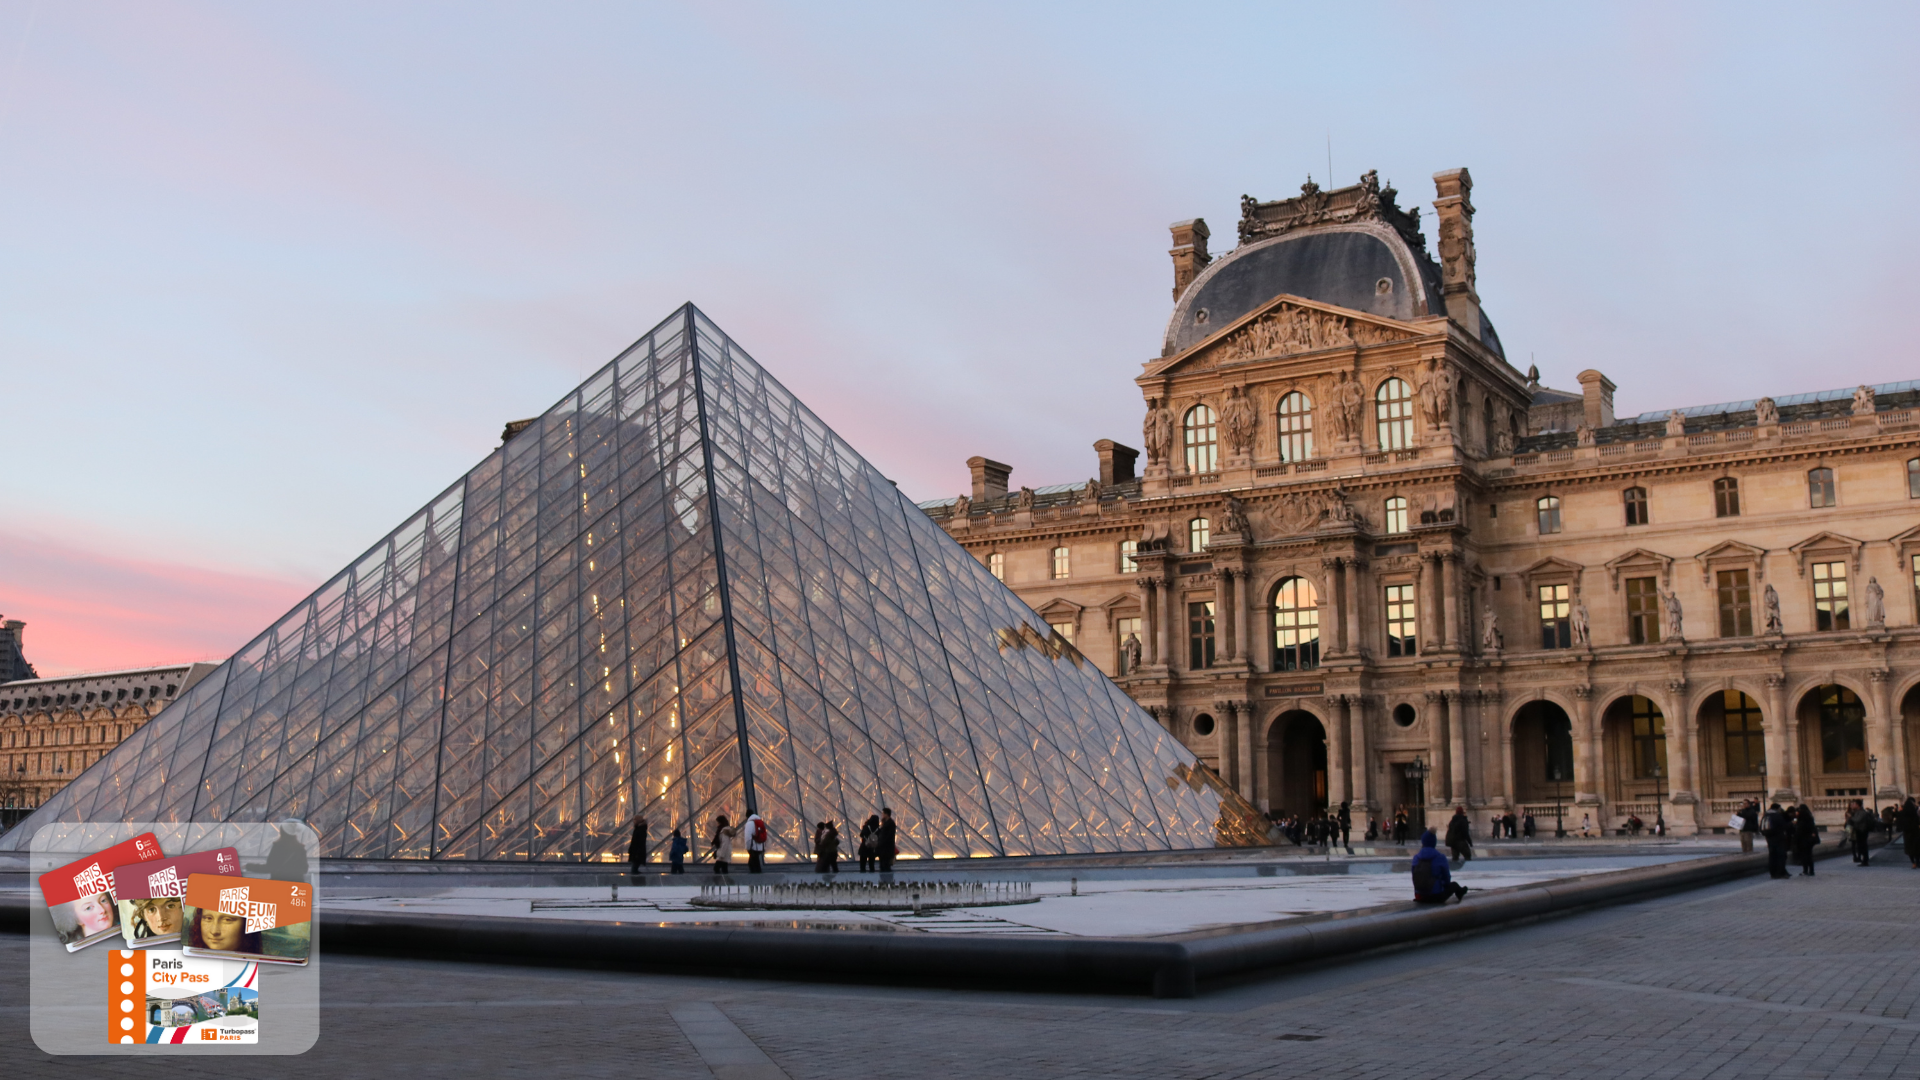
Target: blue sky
point(273, 275)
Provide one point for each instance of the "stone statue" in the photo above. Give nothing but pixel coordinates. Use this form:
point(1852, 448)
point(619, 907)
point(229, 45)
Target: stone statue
point(1130, 651)
point(1676, 423)
point(1347, 399)
point(1236, 417)
point(1503, 443)
point(1157, 432)
point(962, 508)
point(1765, 412)
point(1436, 394)
point(1024, 500)
point(1091, 493)
point(1582, 631)
point(1876, 598)
point(1490, 640)
point(1583, 435)
point(1339, 510)
point(1670, 624)
point(1770, 606)
point(1235, 517)
point(1863, 401)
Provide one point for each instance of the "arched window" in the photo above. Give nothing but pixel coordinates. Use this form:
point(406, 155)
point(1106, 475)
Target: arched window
point(1296, 427)
point(1746, 735)
point(1636, 500)
point(1296, 626)
point(1820, 490)
point(1202, 440)
point(1843, 730)
point(1726, 497)
point(1198, 532)
point(1548, 510)
point(1393, 415)
point(1396, 517)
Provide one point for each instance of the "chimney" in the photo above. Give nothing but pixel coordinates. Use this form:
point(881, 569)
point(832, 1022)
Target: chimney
point(1597, 391)
point(1116, 462)
point(989, 478)
point(1189, 252)
point(1455, 207)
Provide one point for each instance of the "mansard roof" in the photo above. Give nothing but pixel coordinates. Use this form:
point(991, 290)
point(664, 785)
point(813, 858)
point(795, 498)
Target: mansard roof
point(1793, 408)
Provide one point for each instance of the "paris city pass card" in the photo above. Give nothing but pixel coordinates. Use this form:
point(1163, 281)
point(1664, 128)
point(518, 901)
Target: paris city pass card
point(79, 895)
point(149, 893)
point(242, 918)
point(163, 996)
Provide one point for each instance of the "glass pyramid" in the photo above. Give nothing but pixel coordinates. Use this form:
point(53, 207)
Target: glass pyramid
point(676, 593)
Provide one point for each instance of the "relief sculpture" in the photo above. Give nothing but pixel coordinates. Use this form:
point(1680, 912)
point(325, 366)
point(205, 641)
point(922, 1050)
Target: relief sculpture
point(1289, 329)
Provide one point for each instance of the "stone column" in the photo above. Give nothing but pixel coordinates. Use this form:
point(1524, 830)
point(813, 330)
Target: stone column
point(1778, 731)
point(1450, 633)
point(1586, 749)
point(1423, 608)
point(1352, 567)
point(1243, 716)
point(1332, 612)
point(1437, 748)
point(1223, 607)
point(1358, 766)
point(1336, 760)
point(1149, 622)
point(1457, 746)
point(1167, 623)
point(1240, 604)
point(1882, 729)
point(1680, 789)
point(1490, 713)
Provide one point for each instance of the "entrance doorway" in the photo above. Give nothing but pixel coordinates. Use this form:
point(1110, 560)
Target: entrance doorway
point(1297, 760)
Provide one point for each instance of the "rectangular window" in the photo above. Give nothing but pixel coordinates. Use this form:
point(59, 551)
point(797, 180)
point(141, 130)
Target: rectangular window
point(1820, 489)
point(1556, 617)
point(1401, 614)
point(1636, 500)
point(1746, 738)
point(1200, 635)
point(1060, 565)
point(1643, 611)
point(1122, 630)
point(1726, 497)
point(1064, 629)
point(1916, 582)
point(1128, 563)
point(1830, 596)
point(1735, 594)
point(1549, 514)
point(997, 565)
point(1913, 478)
point(1649, 739)
point(1396, 515)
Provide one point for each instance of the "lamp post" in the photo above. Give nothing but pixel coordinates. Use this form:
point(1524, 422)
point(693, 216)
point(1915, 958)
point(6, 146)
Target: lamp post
point(1873, 787)
point(1659, 801)
point(1416, 773)
point(1559, 823)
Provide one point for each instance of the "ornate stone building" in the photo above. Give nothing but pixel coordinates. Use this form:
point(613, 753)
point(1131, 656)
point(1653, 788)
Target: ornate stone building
point(1364, 547)
point(50, 729)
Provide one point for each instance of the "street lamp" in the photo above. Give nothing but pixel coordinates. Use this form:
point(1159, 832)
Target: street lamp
point(1659, 799)
point(1873, 787)
point(1559, 824)
point(1416, 772)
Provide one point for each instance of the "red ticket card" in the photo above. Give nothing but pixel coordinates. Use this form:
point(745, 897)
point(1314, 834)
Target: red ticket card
point(79, 895)
point(149, 893)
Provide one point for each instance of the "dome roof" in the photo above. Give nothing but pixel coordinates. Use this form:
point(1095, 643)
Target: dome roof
point(1352, 247)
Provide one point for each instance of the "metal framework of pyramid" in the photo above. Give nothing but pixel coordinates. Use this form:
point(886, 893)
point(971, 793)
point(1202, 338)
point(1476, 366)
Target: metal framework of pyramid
point(676, 593)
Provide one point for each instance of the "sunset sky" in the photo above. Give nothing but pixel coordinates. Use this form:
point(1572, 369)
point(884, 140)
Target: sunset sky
point(274, 275)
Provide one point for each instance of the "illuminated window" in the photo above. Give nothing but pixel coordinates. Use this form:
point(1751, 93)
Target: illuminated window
point(1296, 626)
point(1556, 617)
point(1643, 611)
point(1129, 549)
point(1913, 478)
point(997, 565)
point(1401, 613)
point(1296, 427)
point(1746, 736)
point(1396, 515)
point(1393, 415)
point(1726, 497)
point(1064, 629)
point(1202, 440)
point(1636, 500)
point(1843, 730)
point(1830, 596)
point(1197, 532)
point(1548, 511)
point(1649, 738)
point(1820, 490)
point(1735, 595)
point(1060, 563)
point(1200, 635)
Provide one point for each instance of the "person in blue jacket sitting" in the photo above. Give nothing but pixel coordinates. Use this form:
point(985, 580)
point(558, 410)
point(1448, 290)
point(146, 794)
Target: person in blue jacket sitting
point(1432, 878)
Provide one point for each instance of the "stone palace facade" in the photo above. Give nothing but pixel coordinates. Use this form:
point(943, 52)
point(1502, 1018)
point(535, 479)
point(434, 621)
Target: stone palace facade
point(1367, 560)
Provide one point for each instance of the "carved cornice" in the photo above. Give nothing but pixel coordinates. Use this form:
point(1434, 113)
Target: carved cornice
point(1363, 201)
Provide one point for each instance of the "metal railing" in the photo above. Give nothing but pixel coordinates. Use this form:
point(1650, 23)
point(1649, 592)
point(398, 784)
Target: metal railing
point(867, 895)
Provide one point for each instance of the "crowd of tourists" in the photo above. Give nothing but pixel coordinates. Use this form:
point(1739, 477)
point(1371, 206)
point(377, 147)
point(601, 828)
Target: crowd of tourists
point(878, 847)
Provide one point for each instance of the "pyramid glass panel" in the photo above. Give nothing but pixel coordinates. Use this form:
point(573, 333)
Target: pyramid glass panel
point(675, 594)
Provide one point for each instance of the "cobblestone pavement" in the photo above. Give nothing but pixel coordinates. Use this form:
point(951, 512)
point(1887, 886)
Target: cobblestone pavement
point(1799, 978)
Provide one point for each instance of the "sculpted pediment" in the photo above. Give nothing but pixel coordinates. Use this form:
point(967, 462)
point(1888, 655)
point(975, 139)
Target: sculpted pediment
point(1731, 552)
point(1287, 326)
point(1639, 559)
point(1827, 543)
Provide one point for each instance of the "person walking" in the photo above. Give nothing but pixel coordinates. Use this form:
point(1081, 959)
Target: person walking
point(1527, 827)
point(677, 852)
point(722, 844)
point(1432, 878)
point(1860, 825)
point(1805, 838)
point(1909, 822)
point(1346, 827)
point(1400, 826)
point(886, 846)
point(637, 847)
point(1460, 835)
point(755, 828)
point(1749, 825)
point(869, 839)
point(1777, 830)
point(826, 848)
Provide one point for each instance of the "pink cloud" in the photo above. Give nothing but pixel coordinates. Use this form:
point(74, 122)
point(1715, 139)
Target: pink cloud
point(88, 611)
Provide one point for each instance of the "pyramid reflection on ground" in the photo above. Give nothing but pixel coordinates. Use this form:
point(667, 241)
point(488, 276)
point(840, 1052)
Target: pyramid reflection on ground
point(676, 591)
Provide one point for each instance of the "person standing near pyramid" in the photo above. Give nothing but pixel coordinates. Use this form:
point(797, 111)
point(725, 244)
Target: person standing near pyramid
point(756, 829)
point(886, 848)
point(722, 844)
point(637, 847)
